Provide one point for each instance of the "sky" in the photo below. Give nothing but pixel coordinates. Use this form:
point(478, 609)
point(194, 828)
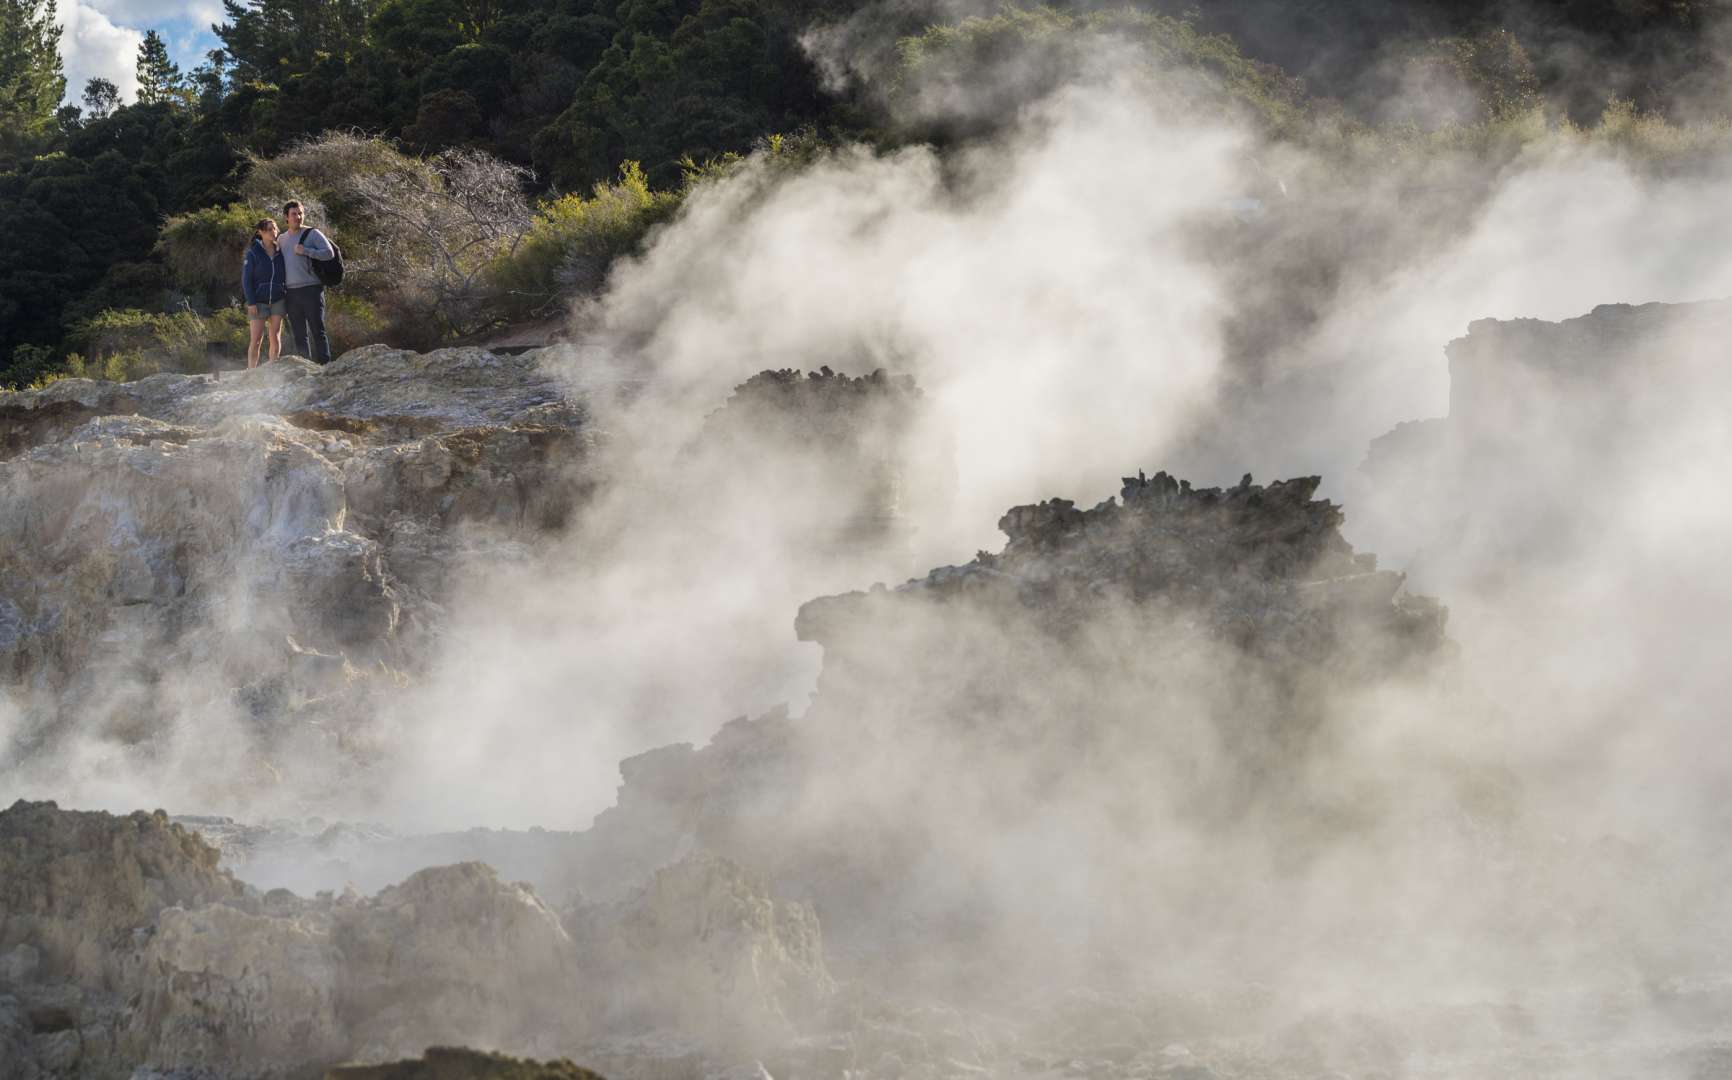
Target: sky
point(102, 36)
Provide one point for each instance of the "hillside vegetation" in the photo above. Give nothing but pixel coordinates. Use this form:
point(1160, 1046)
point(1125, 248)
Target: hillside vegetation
point(483, 162)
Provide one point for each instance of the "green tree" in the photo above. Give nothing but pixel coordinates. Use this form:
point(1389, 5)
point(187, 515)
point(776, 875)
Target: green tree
point(159, 78)
point(32, 79)
point(209, 81)
point(680, 80)
point(269, 40)
point(101, 98)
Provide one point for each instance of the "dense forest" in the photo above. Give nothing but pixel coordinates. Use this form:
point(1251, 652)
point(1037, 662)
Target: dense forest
point(124, 221)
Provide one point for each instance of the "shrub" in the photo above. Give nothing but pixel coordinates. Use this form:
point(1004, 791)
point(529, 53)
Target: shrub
point(321, 173)
point(225, 331)
point(1651, 140)
point(129, 344)
point(442, 222)
point(573, 241)
point(351, 322)
point(124, 366)
point(28, 365)
point(204, 248)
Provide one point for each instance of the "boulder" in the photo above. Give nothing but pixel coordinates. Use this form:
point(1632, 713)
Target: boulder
point(453, 954)
point(704, 950)
point(226, 988)
point(76, 887)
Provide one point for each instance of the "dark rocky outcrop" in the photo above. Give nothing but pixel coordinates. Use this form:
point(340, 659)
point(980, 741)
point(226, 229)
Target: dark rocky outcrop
point(1195, 641)
point(1264, 566)
point(455, 1063)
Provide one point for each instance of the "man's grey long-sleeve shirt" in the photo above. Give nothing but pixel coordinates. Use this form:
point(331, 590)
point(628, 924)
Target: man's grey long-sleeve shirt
point(300, 267)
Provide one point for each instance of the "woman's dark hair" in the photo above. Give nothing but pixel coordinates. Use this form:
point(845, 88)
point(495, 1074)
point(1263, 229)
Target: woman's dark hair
point(260, 227)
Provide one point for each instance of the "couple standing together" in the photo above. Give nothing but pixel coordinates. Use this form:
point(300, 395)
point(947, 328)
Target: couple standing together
point(277, 282)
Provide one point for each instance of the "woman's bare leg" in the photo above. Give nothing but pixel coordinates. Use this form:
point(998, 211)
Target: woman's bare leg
point(256, 328)
point(276, 336)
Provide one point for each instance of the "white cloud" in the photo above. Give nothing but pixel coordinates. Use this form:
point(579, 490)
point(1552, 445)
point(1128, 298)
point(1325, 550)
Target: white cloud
point(157, 12)
point(93, 46)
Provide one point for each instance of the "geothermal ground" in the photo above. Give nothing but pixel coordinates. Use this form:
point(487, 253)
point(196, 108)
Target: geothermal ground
point(1177, 784)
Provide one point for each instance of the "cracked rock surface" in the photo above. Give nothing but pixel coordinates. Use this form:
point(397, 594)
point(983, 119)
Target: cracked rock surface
point(295, 530)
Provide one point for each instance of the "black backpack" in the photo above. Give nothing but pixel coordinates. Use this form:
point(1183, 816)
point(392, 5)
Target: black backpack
point(328, 271)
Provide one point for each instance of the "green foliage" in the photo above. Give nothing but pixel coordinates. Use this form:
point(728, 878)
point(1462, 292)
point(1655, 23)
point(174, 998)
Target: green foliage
point(269, 40)
point(673, 85)
point(32, 80)
point(1457, 81)
point(575, 240)
point(81, 221)
point(132, 333)
point(1496, 67)
point(1650, 140)
point(957, 80)
point(352, 321)
point(323, 172)
point(101, 98)
point(159, 78)
point(127, 344)
point(28, 365)
point(204, 248)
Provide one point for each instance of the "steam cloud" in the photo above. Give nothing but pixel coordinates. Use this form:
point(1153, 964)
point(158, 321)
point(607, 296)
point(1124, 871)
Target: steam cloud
point(1099, 287)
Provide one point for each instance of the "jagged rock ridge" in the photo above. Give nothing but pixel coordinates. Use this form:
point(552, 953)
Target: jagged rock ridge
point(1265, 562)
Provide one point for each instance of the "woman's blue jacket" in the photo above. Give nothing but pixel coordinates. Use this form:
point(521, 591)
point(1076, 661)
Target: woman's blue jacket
point(264, 280)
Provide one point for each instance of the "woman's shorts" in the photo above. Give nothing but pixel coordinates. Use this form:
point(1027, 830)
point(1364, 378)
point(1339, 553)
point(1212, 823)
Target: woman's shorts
point(275, 307)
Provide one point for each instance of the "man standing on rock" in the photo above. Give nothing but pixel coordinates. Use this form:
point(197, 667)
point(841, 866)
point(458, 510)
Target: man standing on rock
point(306, 296)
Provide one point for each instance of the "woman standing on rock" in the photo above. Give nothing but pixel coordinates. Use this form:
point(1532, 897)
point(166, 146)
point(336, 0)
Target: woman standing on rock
point(265, 286)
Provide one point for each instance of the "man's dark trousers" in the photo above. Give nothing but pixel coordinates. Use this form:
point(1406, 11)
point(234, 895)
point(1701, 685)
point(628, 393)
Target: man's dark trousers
point(306, 309)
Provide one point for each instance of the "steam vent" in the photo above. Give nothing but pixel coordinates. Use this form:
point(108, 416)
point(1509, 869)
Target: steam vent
point(1152, 791)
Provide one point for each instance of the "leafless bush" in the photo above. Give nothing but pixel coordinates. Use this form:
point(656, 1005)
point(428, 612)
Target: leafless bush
point(418, 234)
point(439, 225)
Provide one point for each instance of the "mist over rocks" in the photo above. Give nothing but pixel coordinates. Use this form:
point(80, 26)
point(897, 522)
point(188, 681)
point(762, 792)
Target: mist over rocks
point(286, 561)
point(846, 436)
point(1621, 394)
point(704, 952)
point(275, 549)
point(1250, 561)
point(996, 840)
point(1158, 787)
point(125, 945)
point(75, 885)
point(1181, 647)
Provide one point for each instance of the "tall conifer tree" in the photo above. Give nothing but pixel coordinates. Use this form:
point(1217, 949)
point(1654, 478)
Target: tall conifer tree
point(32, 78)
point(159, 78)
